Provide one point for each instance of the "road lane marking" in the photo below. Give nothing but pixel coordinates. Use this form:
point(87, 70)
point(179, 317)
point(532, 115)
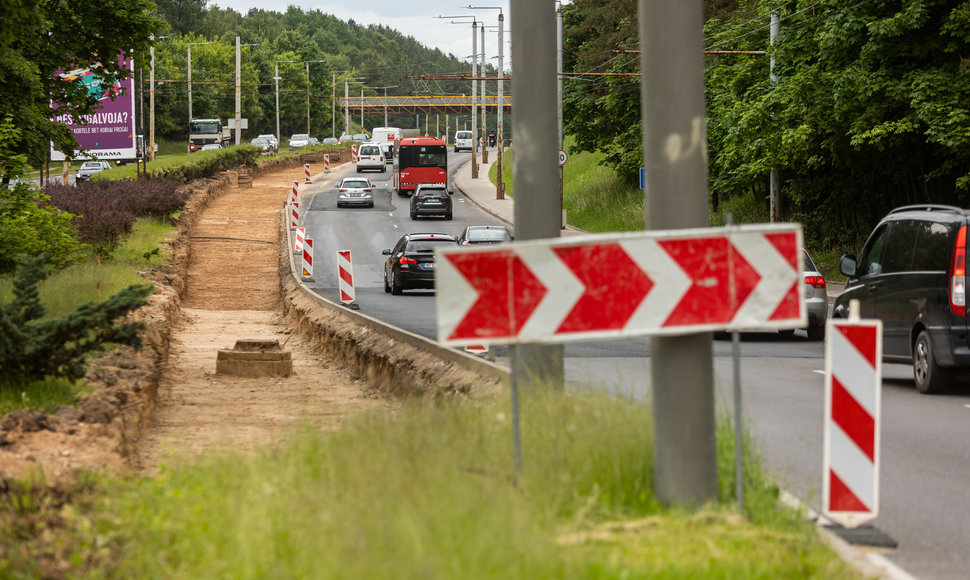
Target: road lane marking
point(821, 372)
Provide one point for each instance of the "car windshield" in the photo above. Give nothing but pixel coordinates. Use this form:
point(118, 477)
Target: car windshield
point(370, 150)
point(489, 235)
point(355, 183)
point(91, 165)
point(301, 137)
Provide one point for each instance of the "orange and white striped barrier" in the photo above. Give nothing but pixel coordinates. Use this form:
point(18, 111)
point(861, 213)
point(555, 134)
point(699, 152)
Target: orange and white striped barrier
point(308, 260)
point(326, 163)
point(299, 240)
point(353, 153)
point(294, 192)
point(306, 173)
point(853, 399)
point(345, 276)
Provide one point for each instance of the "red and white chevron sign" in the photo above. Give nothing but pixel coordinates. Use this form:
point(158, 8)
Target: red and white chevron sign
point(853, 381)
point(657, 282)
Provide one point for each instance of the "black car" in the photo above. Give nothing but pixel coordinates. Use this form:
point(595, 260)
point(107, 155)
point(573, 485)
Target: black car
point(431, 199)
point(911, 274)
point(410, 263)
point(474, 235)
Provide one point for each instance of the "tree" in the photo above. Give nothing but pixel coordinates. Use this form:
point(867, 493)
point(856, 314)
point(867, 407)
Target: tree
point(39, 39)
point(32, 348)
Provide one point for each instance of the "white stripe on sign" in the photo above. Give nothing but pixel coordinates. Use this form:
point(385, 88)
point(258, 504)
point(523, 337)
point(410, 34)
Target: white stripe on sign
point(852, 466)
point(854, 372)
point(563, 289)
point(661, 269)
point(777, 278)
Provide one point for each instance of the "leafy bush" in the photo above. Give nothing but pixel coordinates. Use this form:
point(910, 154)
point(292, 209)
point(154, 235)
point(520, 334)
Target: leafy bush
point(106, 210)
point(207, 163)
point(30, 226)
point(31, 348)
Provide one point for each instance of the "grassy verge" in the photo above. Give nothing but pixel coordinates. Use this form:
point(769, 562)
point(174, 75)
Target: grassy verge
point(431, 492)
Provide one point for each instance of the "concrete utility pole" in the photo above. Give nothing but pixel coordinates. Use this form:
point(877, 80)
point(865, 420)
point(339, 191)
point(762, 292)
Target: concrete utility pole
point(500, 183)
point(536, 162)
point(189, 74)
point(774, 181)
point(674, 146)
point(474, 101)
point(484, 124)
point(151, 104)
point(559, 103)
point(238, 91)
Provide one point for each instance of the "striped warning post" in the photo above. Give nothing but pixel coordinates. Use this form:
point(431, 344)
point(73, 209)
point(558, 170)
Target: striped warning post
point(298, 240)
point(326, 163)
point(353, 153)
point(853, 394)
point(294, 215)
point(476, 348)
point(294, 192)
point(306, 173)
point(308, 259)
point(345, 276)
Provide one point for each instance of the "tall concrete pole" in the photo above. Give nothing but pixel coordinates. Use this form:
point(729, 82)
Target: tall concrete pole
point(189, 79)
point(774, 181)
point(276, 78)
point(238, 92)
point(674, 146)
point(499, 183)
point(151, 104)
point(559, 103)
point(484, 124)
point(347, 107)
point(333, 105)
point(536, 166)
point(474, 100)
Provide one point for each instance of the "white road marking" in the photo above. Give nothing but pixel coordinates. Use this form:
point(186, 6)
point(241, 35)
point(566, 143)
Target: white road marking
point(967, 406)
point(821, 372)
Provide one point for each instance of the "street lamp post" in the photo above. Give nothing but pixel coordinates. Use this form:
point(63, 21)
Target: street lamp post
point(239, 88)
point(347, 102)
point(474, 90)
point(308, 94)
point(499, 183)
point(151, 102)
point(385, 99)
point(276, 77)
point(190, 75)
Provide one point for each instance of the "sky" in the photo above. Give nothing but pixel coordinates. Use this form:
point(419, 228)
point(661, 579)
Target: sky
point(411, 17)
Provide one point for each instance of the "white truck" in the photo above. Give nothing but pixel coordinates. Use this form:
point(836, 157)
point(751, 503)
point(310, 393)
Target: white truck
point(386, 136)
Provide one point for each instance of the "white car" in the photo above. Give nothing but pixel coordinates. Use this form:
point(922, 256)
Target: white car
point(463, 141)
point(269, 137)
point(210, 147)
point(299, 140)
point(370, 156)
point(355, 191)
point(89, 168)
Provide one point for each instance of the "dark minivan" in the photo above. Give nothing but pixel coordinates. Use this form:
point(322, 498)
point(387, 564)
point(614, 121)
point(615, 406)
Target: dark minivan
point(911, 274)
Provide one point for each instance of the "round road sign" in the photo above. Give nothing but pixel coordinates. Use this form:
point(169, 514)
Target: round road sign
point(563, 157)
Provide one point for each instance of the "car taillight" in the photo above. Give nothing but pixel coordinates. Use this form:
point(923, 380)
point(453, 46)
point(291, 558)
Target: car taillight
point(369, 190)
point(466, 243)
point(343, 190)
point(958, 274)
point(405, 260)
point(815, 281)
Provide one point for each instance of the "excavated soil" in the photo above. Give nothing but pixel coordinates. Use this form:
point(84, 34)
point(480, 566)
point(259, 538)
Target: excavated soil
point(167, 401)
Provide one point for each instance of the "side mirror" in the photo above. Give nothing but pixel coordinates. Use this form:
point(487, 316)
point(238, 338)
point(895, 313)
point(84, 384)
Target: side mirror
point(386, 252)
point(847, 265)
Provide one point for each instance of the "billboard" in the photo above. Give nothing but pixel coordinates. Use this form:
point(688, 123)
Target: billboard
point(109, 132)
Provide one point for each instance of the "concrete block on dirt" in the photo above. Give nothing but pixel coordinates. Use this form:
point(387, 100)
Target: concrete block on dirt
point(255, 358)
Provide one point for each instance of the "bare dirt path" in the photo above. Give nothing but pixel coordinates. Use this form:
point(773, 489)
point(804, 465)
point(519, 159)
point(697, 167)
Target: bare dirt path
point(233, 292)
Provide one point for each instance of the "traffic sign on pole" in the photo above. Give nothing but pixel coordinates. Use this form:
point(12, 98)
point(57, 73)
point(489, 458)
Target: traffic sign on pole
point(853, 386)
point(563, 157)
point(660, 283)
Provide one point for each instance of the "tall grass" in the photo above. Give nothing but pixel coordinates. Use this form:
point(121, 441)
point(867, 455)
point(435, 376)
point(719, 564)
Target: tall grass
point(430, 492)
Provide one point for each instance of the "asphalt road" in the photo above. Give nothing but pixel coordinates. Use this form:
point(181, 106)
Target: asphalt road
point(924, 503)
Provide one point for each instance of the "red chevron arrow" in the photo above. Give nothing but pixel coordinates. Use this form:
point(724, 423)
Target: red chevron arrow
point(614, 287)
point(709, 299)
point(507, 293)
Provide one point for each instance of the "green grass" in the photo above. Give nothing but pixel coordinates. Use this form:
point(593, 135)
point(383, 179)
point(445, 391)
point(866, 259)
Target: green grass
point(508, 159)
point(45, 395)
point(431, 492)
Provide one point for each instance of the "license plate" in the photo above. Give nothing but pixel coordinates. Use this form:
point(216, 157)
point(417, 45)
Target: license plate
point(428, 266)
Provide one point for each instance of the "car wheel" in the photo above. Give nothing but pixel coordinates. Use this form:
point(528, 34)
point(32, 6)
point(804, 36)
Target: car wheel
point(339, 205)
point(816, 333)
point(448, 216)
point(396, 288)
point(414, 216)
point(930, 377)
point(371, 204)
point(387, 287)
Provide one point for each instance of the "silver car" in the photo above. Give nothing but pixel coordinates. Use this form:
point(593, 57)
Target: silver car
point(816, 299)
point(355, 191)
point(299, 140)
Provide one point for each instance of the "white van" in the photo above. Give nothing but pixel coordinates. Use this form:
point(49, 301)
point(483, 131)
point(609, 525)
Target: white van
point(370, 156)
point(463, 140)
point(386, 136)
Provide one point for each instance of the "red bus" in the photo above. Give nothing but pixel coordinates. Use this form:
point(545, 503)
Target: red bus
point(419, 160)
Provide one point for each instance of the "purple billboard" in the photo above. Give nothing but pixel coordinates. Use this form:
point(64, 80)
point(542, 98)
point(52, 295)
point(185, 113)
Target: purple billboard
point(108, 132)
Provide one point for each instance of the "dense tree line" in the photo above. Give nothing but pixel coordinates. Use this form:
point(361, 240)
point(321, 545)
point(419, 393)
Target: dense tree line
point(868, 110)
point(333, 49)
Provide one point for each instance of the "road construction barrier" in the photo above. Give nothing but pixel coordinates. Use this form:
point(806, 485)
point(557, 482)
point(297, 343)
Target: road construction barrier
point(308, 259)
point(294, 192)
point(294, 215)
point(306, 173)
point(476, 348)
point(853, 387)
point(298, 240)
point(345, 276)
point(326, 163)
point(353, 153)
